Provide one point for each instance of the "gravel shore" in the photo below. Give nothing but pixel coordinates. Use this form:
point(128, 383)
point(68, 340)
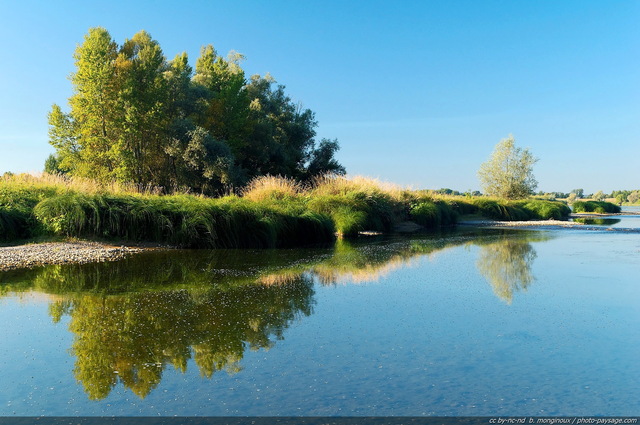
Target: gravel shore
point(529, 223)
point(33, 255)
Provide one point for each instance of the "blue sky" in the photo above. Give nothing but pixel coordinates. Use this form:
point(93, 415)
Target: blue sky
point(417, 92)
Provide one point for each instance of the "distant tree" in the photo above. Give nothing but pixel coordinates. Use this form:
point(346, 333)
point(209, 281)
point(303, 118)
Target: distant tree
point(64, 136)
point(633, 197)
point(322, 159)
point(572, 198)
point(509, 171)
point(447, 191)
point(579, 193)
point(52, 165)
point(621, 198)
point(620, 194)
point(598, 196)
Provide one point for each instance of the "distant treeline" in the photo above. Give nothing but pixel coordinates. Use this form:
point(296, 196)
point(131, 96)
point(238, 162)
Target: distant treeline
point(620, 196)
point(136, 117)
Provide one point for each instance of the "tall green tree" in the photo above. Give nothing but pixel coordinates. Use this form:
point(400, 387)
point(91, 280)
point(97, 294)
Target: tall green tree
point(509, 171)
point(136, 117)
point(94, 104)
point(142, 100)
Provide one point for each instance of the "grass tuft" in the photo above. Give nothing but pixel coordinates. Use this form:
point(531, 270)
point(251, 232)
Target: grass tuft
point(272, 188)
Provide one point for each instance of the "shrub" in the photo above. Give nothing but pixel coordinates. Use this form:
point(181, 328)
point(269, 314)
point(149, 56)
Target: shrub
point(596, 207)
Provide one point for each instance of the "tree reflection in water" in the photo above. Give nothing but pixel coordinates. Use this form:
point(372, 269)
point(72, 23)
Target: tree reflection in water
point(132, 319)
point(131, 338)
point(506, 264)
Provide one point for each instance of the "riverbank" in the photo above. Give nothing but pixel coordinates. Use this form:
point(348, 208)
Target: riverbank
point(271, 212)
point(81, 252)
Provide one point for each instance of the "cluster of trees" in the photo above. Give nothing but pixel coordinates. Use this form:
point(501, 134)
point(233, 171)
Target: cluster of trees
point(621, 196)
point(136, 117)
point(451, 192)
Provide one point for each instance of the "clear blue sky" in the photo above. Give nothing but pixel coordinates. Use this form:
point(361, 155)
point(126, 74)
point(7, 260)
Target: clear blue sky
point(417, 92)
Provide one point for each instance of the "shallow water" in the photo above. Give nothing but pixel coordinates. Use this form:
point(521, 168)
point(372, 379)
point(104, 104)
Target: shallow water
point(507, 322)
point(630, 221)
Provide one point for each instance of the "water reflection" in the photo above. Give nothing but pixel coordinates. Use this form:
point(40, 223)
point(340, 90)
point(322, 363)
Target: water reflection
point(597, 221)
point(506, 264)
point(133, 319)
point(131, 338)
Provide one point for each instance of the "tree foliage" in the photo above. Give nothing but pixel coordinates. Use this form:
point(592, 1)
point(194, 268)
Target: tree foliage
point(509, 171)
point(137, 117)
point(633, 197)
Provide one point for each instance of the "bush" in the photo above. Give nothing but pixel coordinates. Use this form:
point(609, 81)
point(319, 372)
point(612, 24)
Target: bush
point(544, 210)
point(596, 207)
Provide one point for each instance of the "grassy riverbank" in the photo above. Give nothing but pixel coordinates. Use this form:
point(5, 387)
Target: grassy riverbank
point(271, 212)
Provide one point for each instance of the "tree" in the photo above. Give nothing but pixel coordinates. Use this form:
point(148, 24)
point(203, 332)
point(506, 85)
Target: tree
point(509, 171)
point(142, 113)
point(322, 160)
point(633, 197)
point(94, 105)
point(52, 165)
point(137, 118)
point(579, 193)
point(63, 135)
point(598, 196)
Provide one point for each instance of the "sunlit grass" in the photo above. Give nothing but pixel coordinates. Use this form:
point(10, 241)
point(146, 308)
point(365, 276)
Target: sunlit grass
point(271, 212)
point(272, 188)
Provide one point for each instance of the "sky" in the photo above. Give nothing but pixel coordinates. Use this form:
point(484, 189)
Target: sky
point(418, 93)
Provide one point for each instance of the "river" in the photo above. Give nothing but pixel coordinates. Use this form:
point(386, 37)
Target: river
point(461, 322)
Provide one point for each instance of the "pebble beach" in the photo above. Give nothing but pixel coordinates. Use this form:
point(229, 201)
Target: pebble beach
point(40, 254)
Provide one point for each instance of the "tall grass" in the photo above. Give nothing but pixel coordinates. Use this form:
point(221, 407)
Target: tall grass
point(431, 214)
point(272, 188)
point(272, 212)
point(182, 220)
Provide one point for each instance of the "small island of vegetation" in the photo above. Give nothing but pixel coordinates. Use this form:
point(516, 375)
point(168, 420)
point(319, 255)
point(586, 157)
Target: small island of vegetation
point(152, 150)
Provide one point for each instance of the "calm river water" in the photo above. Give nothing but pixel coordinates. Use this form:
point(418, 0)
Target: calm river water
point(468, 322)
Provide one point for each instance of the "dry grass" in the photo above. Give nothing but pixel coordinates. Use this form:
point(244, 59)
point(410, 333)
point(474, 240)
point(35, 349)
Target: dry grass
point(62, 183)
point(272, 187)
point(332, 184)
